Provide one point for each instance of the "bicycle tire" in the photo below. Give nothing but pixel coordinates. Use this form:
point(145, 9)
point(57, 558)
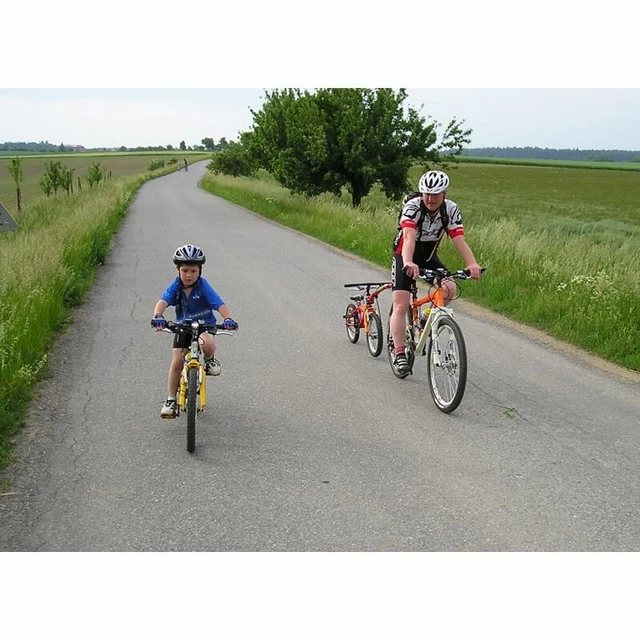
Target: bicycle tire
point(375, 337)
point(408, 345)
point(351, 323)
point(192, 408)
point(448, 378)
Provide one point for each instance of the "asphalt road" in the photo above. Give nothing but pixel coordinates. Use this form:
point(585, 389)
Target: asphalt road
point(309, 444)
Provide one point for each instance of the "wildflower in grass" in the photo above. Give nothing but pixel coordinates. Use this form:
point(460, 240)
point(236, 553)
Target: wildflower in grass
point(27, 374)
point(600, 285)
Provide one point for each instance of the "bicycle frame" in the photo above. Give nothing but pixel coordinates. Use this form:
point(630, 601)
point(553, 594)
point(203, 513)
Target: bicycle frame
point(194, 358)
point(438, 309)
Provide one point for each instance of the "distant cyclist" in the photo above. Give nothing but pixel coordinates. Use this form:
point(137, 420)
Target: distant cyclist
point(194, 298)
point(424, 221)
point(186, 164)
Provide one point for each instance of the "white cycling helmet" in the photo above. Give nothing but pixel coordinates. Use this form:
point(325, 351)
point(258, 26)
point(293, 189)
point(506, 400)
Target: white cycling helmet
point(189, 253)
point(433, 182)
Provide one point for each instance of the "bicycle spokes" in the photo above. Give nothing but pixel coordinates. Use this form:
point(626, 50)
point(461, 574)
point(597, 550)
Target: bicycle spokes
point(447, 365)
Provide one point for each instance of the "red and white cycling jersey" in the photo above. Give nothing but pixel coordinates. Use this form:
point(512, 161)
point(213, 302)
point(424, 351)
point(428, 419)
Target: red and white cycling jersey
point(431, 229)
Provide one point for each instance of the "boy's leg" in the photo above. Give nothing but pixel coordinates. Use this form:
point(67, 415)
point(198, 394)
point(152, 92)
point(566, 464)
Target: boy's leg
point(177, 358)
point(212, 365)
point(169, 407)
point(208, 344)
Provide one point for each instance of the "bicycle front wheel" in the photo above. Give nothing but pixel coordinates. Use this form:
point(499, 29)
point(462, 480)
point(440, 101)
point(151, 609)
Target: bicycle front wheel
point(351, 323)
point(192, 408)
point(447, 365)
point(374, 337)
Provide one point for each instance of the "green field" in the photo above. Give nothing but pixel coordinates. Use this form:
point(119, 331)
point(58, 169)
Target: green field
point(578, 164)
point(46, 268)
point(561, 245)
point(119, 164)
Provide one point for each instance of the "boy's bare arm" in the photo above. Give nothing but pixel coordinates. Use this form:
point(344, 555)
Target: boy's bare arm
point(160, 308)
point(224, 311)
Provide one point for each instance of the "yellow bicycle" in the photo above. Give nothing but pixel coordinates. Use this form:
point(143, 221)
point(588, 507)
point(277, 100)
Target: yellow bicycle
point(192, 391)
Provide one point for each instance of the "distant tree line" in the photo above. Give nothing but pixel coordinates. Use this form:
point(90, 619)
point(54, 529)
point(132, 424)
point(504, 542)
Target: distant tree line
point(37, 147)
point(207, 144)
point(522, 153)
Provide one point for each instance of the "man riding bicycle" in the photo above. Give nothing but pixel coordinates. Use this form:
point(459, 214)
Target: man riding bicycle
point(423, 222)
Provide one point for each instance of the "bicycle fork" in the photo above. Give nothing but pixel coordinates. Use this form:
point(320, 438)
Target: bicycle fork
point(201, 390)
point(430, 329)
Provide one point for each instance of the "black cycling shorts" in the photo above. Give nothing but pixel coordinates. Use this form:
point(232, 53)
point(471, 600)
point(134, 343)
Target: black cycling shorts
point(182, 340)
point(400, 280)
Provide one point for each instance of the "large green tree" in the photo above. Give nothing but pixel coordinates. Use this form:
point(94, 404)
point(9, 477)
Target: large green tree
point(353, 138)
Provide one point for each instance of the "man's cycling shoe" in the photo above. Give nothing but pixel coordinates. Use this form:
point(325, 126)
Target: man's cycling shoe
point(401, 363)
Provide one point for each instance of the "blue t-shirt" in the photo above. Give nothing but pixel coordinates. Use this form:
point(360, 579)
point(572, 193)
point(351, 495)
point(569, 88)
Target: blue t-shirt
point(200, 304)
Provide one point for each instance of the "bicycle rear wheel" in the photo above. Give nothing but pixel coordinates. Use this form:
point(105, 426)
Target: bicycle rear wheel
point(408, 344)
point(375, 336)
point(447, 365)
point(351, 323)
point(192, 408)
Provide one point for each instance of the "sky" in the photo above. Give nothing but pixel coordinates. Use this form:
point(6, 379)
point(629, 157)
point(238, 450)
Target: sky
point(560, 76)
point(102, 117)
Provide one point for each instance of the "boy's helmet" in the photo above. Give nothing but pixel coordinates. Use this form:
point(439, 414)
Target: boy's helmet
point(189, 253)
point(433, 182)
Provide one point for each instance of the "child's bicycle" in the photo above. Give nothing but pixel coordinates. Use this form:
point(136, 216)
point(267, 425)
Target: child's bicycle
point(365, 314)
point(437, 335)
point(192, 391)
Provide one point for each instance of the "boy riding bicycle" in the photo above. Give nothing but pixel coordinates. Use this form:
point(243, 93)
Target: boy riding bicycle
point(194, 298)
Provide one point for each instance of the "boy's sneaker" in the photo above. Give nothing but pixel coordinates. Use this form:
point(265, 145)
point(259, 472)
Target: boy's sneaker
point(212, 367)
point(402, 363)
point(169, 408)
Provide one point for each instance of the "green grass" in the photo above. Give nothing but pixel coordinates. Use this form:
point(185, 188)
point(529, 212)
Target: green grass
point(46, 269)
point(562, 245)
point(119, 164)
point(578, 164)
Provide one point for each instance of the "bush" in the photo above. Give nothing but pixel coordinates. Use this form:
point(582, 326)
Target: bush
point(95, 174)
point(155, 164)
point(234, 161)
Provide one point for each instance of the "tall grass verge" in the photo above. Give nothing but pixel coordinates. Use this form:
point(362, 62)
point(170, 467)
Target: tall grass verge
point(46, 268)
point(573, 278)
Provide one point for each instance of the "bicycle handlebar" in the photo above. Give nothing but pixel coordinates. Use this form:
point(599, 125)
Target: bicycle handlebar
point(185, 327)
point(366, 284)
point(461, 274)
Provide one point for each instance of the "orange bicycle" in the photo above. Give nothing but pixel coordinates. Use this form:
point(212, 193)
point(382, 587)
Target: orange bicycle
point(364, 313)
point(437, 335)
